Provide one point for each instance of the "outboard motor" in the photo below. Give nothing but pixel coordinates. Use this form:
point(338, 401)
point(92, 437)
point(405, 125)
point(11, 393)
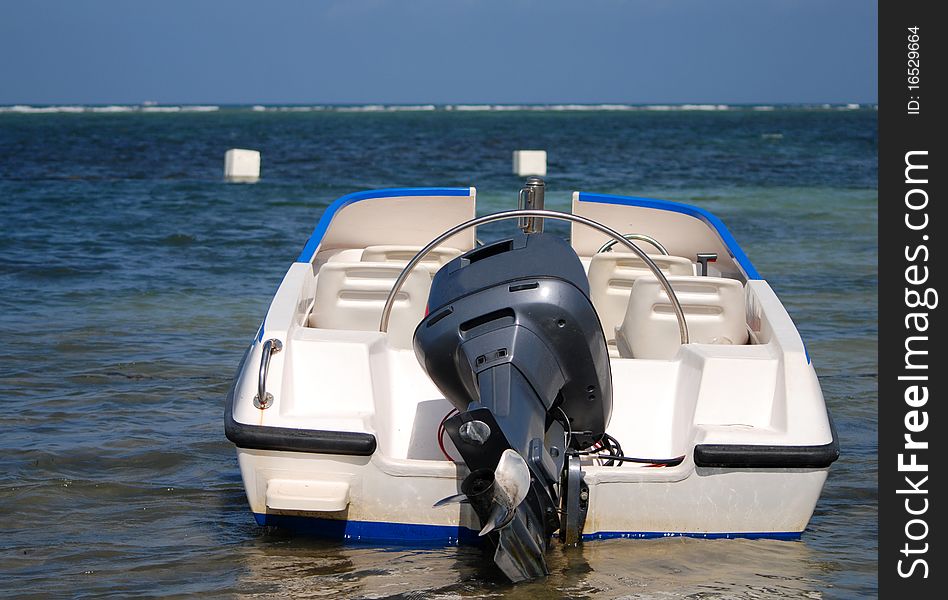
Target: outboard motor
point(514, 343)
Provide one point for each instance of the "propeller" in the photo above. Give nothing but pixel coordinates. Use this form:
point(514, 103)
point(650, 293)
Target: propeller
point(511, 484)
point(508, 487)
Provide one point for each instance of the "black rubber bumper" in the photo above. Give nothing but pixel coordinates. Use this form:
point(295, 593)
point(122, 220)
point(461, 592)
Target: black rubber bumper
point(739, 456)
point(288, 439)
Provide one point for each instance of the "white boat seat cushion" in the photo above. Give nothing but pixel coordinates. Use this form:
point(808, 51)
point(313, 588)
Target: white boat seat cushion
point(713, 307)
point(430, 264)
point(611, 275)
point(350, 295)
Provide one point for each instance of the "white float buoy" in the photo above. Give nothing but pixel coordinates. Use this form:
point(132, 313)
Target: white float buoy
point(529, 162)
point(241, 165)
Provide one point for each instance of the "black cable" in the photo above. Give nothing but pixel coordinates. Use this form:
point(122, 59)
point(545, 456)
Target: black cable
point(612, 446)
point(665, 462)
point(614, 443)
point(616, 456)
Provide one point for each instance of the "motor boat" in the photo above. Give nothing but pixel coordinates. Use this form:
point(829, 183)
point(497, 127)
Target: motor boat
point(637, 379)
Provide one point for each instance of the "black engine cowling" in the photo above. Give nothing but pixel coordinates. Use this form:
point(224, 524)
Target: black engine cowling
point(513, 341)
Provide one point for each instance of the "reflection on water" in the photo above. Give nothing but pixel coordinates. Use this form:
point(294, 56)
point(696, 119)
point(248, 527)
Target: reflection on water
point(663, 568)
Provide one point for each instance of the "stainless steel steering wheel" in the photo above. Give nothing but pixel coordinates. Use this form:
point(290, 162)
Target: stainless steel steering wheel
point(607, 247)
point(618, 238)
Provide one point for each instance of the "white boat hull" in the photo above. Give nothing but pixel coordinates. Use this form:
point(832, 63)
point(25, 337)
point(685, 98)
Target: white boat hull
point(390, 500)
point(349, 444)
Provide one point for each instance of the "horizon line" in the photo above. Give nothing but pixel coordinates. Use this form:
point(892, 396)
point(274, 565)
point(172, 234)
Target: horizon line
point(155, 107)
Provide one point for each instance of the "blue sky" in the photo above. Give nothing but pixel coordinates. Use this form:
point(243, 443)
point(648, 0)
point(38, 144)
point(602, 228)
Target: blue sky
point(437, 51)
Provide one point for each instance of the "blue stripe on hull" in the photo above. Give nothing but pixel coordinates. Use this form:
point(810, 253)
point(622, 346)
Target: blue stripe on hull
point(371, 531)
point(650, 535)
point(406, 533)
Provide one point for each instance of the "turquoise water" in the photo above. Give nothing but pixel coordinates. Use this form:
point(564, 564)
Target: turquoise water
point(132, 278)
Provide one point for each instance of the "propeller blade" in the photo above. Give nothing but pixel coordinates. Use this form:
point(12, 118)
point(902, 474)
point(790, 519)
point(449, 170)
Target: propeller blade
point(455, 499)
point(500, 517)
point(512, 479)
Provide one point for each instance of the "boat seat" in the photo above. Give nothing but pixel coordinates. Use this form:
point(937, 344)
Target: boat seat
point(430, 264)
point(611, 275)
point(350, 295)
point(713, 306)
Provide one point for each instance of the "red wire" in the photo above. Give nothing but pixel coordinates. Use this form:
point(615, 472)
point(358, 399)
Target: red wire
point(441, 434)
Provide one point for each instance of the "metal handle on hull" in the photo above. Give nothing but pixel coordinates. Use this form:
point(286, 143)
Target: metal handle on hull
point(550, 214)
point(264, 399)
point(607, 247)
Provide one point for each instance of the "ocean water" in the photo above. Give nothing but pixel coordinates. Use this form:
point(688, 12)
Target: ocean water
point(132, 278)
